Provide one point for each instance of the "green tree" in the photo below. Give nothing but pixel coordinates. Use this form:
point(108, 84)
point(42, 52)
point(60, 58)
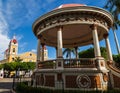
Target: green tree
point(10, 66)
point(114, 7)
point(89, 53)
point(23, 66)
point(103, 52)
point(116, 58)
point(31, 65)
point(13, 66)
point(1, 66)
point(68, 52)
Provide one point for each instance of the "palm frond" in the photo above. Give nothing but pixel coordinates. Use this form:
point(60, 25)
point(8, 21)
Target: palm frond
point(68, 52)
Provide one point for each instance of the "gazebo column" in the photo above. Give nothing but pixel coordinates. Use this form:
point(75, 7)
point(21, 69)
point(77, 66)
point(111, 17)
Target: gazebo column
point(109, 53)
point(76, 52)
point(59, 48)
point(59, 62)
point(59, 43)
point(42, 52)
point(96, 41)
point(100, 60)
point(38, 52)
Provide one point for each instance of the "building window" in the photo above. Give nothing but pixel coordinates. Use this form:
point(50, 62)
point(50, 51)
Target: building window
point(13, 49)
point(12, 59)
point(30, 54)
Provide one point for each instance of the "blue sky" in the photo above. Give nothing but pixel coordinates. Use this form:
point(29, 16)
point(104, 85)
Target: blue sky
point(17, 17)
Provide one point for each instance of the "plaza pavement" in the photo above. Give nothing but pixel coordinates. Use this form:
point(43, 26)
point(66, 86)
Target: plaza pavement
point(5, 85)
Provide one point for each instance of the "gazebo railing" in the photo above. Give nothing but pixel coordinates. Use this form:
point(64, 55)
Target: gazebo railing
point(79, 63)
point(48, 64)
point(69, 63)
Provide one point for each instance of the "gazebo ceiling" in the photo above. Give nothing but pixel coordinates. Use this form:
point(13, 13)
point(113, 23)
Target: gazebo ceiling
point(75, 20)
point(72, 35)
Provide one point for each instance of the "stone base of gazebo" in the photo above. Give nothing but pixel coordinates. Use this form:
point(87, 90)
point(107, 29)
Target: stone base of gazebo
point(76, 74)
point(72, 79)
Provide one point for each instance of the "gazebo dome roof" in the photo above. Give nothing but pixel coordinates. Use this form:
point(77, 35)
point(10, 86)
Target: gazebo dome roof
point(75, 21)
point(70, 5)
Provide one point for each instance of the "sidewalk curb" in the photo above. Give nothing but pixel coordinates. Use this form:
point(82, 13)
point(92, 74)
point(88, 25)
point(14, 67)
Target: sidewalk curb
point(12, 91)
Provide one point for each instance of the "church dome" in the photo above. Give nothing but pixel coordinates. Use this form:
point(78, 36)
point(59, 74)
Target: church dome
point(14, 40)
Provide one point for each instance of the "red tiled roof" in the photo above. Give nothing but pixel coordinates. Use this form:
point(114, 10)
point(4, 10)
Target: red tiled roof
point(6, 50)
point(13, 41)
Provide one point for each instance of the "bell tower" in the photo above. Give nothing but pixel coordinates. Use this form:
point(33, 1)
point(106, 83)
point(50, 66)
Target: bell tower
point(13, 49)
point(44, 53)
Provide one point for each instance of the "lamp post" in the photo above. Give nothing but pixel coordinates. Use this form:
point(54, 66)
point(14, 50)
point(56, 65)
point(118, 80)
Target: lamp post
point(13, 85)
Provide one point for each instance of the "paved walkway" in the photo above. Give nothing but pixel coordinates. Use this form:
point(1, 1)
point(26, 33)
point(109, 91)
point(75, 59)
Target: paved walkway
point(5, 85)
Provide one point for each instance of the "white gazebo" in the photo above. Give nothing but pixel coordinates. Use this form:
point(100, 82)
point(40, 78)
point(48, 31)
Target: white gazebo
point(72, 26)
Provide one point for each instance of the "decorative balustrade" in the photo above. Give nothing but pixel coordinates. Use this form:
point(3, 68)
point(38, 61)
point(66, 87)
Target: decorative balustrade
point(48, 64)
point(79, 63)
point(69, 63)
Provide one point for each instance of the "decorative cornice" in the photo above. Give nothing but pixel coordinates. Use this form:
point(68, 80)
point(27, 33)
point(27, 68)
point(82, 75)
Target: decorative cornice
point(82, 14)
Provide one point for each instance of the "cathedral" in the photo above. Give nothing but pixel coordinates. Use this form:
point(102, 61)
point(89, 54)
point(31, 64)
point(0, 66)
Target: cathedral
point(12, 52)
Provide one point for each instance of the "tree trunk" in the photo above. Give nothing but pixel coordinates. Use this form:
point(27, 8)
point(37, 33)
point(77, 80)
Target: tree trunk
point(116, 42)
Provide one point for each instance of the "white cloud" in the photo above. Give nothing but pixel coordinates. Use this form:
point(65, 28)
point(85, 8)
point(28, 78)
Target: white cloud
point(14, 14)
point(4, 39)
point(18, 12)
point(22, 46)
point(34, 50)
point(19, 37)
point(35, 6)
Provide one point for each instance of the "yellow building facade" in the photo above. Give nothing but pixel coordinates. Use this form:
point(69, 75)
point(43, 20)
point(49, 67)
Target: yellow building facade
point(28, 57)
point(12, 52)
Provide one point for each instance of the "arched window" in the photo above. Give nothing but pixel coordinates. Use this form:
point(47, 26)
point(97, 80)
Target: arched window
point(13, 59)
point(30, 54)
point(13, 49)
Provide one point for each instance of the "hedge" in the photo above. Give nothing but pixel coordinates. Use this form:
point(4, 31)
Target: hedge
point(23, 88)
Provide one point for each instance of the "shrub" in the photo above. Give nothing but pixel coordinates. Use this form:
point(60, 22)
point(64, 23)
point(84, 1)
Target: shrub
point(23, 88)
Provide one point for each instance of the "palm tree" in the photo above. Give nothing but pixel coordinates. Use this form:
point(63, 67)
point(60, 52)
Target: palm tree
point(114, 7)
point(17, 59)
point(69, 52)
